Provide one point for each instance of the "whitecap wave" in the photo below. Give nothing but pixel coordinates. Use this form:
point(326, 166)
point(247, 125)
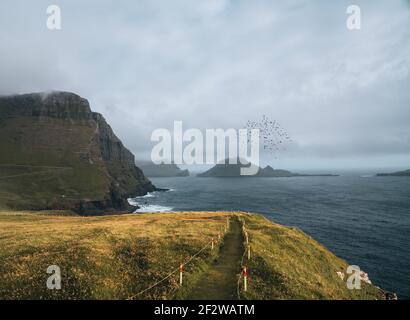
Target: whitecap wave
point(153, 208)
point(132, 202)
point(148, 195)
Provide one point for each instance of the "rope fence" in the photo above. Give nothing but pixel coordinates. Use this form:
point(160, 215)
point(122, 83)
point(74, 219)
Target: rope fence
point(243, 274)
point(211, 243)
point(173, 272)
point(180, 267)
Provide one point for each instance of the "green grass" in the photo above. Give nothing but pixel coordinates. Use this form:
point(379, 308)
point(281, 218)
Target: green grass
point(288, 264)
point(116, 257)
point(40, 164)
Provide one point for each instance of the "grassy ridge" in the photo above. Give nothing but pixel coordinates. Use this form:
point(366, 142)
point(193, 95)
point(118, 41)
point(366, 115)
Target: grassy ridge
point(288, 264)
point(115, 257)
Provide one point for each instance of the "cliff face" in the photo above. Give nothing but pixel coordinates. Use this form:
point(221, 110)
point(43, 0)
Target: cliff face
point(58, 154)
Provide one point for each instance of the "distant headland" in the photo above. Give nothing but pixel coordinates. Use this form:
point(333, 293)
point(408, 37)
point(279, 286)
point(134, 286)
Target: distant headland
point(405, 173)
point(228, 169)
point(151, 169)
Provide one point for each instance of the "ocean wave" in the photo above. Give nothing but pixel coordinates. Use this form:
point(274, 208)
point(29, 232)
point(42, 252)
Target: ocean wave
point(132, 202)
point(153, 208)
point(148, 195)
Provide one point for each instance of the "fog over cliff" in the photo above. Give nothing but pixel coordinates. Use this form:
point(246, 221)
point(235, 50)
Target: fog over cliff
point(343, 96)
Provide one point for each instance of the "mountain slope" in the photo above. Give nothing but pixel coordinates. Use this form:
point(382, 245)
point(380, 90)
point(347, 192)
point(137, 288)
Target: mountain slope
point(57, 153)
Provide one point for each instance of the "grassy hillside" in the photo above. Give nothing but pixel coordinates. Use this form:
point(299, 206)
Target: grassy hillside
point(288, 264)
point(37, 171)
point(58, 154)
point(116, 257)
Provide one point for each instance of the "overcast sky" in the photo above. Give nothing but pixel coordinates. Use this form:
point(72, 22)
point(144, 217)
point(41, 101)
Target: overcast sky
point(343, 96)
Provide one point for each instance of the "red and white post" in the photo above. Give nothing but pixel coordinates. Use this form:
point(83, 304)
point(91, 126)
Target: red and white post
point(245, 279)
point(180, 273)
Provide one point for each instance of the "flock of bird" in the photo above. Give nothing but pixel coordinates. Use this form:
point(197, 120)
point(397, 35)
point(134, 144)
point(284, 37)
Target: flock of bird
point(272, 136)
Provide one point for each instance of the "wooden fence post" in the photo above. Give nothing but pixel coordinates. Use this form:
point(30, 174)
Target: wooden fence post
point(245, 279)
point(180, 273)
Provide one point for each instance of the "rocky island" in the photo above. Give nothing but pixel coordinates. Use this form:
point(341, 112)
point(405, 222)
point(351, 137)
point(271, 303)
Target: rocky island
point(227, 169)
point(405, 173)
point(58, 154)
point(151, 169)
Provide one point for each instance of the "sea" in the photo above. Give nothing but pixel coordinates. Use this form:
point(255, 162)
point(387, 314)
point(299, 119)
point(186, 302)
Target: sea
point(361, 218)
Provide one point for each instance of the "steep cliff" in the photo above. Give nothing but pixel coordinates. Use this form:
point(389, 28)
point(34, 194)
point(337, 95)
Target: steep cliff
point(58, 154)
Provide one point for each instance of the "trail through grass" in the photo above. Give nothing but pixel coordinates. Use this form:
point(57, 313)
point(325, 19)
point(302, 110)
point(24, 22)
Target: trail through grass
point(220, 281)
point(117, 257)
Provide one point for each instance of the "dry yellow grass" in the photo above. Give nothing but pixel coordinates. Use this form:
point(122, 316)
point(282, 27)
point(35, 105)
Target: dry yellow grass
point(116, 257)
point(105, 257)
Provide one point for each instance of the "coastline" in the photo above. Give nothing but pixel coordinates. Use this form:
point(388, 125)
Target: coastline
point(111, 241)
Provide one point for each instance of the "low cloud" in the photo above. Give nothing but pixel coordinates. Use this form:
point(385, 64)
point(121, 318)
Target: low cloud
point(340, 94)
